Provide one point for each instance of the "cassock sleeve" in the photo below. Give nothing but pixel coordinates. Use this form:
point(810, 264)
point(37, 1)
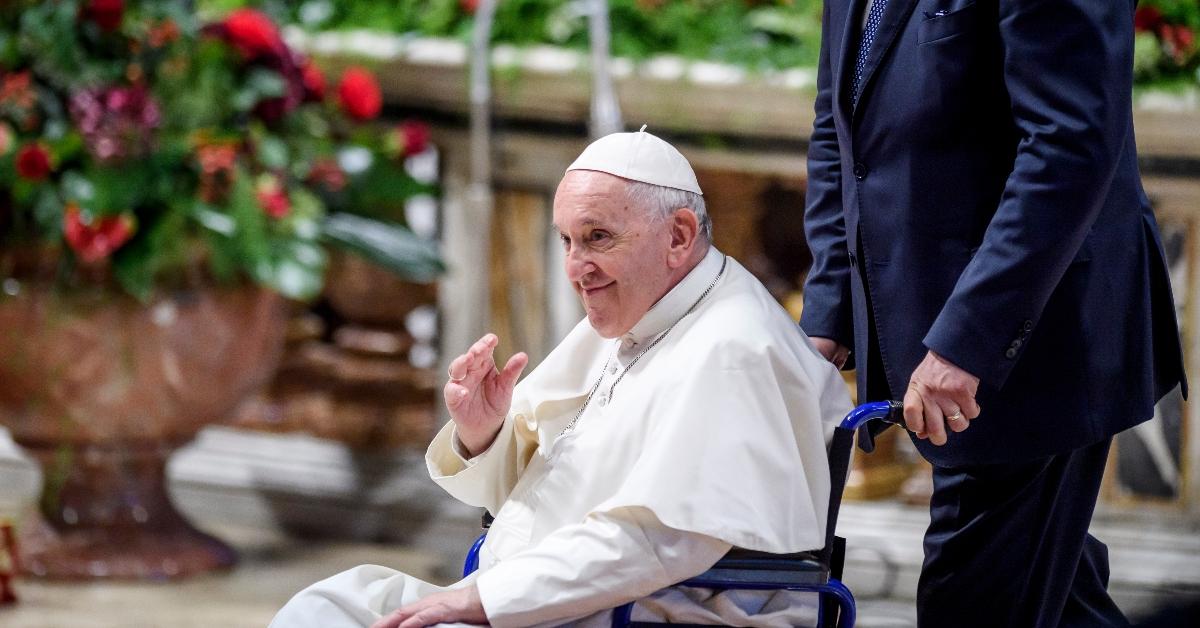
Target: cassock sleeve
point(609, 559)
point(487, 479)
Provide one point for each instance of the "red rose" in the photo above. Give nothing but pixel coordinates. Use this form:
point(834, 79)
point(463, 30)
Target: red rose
point(359, 94)
point(272, 197)
point(1179, 41)
point(410, 137)
point(33, 162)
point(314, 81)
point(95, 240)
point(105, 13)
point(252, 33)
point(1147, 19)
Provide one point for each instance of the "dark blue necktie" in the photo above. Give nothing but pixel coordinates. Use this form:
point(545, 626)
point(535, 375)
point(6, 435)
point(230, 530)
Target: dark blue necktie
point(864, 47)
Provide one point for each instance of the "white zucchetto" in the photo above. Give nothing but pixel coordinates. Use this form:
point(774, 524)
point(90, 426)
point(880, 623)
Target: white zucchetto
point(641, 157)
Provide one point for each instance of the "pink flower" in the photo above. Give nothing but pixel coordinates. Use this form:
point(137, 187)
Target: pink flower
point(359, 94)
point(118, 122)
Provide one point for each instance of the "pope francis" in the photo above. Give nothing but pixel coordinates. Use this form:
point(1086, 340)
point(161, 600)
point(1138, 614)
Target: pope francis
point(685, 415)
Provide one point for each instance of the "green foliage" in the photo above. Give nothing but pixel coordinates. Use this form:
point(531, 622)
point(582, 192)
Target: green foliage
point(762, 35)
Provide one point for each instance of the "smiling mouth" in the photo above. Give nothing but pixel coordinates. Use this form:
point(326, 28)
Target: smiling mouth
point(595, 290)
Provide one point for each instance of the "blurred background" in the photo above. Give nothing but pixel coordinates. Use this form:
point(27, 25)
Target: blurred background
point(239, 241)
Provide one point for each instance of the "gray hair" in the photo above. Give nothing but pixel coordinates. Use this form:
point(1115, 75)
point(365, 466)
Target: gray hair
point(661, 202)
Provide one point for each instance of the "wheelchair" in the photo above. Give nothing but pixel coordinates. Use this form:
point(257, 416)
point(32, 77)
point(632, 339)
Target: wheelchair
point(818, 571)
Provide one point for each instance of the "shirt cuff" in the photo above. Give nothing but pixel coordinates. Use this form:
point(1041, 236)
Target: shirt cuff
point(460, 450)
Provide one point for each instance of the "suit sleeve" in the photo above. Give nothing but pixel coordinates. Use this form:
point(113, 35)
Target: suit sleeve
point(827, 304)
point(1068, 70)
point(608, 559)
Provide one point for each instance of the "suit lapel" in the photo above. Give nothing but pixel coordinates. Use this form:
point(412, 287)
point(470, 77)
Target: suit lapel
point(895, 17)
point(848, 47)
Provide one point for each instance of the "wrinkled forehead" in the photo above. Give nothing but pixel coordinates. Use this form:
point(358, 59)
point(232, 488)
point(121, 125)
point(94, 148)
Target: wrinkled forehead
point(589, 197)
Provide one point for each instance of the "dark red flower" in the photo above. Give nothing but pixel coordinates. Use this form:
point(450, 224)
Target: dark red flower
point(327, 173)
point(93, 240)
point(1147, 19)
point(359, 94)
point(470, 6)
point(106, 14)
point(272, 197)
point(253, 33)
point(33, 162)
point(409, 138)
point(314, 81)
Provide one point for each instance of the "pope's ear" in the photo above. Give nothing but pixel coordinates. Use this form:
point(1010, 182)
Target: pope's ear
point(685, 231)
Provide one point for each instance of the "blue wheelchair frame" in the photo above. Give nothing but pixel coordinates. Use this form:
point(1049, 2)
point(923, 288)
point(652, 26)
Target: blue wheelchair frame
point(818, 571)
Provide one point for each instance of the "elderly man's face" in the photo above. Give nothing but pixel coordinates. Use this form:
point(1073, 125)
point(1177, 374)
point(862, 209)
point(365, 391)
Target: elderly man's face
point(616, 253)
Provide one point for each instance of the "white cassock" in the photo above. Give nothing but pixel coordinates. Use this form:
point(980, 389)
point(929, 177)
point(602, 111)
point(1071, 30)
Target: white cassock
point(714, 438)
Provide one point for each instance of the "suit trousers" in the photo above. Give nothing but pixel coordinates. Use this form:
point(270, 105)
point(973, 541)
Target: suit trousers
point(1008, 546)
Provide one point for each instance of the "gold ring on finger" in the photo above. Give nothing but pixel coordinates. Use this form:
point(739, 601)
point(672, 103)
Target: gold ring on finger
point(956, 416)
point(454, 379)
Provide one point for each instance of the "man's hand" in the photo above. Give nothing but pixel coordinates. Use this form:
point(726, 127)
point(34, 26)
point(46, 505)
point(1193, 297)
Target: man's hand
point(940, 395)
point(834, 352)
point(455, 605)
point(478, 395)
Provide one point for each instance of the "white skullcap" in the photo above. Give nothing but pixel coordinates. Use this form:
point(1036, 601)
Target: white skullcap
point(639, 157)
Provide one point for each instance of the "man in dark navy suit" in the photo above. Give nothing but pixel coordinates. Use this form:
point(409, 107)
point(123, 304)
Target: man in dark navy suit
point(983, 244)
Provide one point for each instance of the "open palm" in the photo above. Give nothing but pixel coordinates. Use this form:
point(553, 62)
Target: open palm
point(478, 394)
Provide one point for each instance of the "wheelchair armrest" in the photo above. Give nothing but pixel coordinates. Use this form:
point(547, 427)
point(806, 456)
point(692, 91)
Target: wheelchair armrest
point(748, 569)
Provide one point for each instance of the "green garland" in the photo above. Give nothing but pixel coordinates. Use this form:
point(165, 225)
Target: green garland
point(757, 34)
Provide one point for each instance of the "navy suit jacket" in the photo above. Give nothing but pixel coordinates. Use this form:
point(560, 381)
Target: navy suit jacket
point(985, 191)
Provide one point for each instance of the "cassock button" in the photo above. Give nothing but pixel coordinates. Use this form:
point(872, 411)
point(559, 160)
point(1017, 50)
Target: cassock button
point(1011, 353)
point(612, 369)
point(860, 171)
point(627, 342)
point(603, 400)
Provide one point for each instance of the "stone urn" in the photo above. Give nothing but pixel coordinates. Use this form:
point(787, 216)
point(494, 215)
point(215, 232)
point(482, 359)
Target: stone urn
point(100, 389)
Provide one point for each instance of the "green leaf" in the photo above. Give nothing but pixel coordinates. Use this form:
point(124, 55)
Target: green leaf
point(213, 220)
point(387, 244)
point(273, 153)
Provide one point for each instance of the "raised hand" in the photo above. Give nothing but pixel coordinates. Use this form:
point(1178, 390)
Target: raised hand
point(478, 395)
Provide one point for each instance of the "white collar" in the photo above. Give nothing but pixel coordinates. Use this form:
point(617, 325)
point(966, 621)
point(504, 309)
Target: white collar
point(675, 303)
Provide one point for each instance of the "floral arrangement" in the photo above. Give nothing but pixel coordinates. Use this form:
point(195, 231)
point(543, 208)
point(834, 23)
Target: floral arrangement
point(1165, 45)
point(140, 146)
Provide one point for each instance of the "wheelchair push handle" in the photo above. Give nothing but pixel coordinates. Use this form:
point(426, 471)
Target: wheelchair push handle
point(886, 411)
